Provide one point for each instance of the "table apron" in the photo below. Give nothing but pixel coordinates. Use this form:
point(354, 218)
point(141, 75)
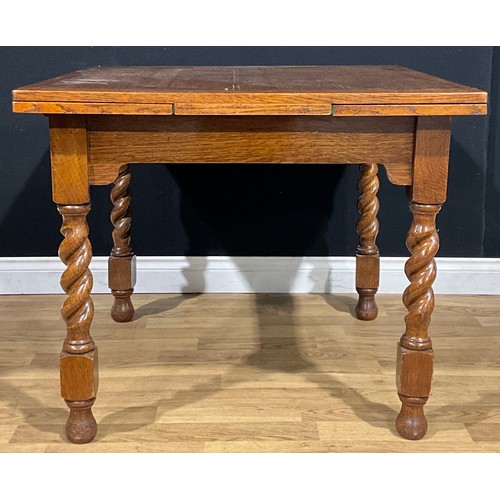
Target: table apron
point(117, 140)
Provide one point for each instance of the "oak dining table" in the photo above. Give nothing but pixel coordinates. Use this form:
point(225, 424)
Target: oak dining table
point(104, 119)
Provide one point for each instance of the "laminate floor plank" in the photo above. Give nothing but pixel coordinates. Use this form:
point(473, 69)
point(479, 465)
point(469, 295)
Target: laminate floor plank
point(251, 373)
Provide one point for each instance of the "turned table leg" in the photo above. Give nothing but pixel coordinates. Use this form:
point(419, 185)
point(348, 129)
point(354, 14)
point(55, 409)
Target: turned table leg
point(78, 362)
point(121, 264)
point(415, 355)
point(367, 254)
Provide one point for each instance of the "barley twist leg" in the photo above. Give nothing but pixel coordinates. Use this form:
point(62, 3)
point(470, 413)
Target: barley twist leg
point(367, 254)
point(415, 354)
point(78, 362)
point(121, 264)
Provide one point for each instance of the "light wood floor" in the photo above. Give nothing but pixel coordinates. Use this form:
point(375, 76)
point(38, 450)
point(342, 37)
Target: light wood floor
point(251, 373)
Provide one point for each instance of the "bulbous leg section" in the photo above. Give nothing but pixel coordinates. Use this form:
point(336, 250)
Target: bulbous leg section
point(411, 422)
point(122, 310)
point(81, 426)
point(366, 308)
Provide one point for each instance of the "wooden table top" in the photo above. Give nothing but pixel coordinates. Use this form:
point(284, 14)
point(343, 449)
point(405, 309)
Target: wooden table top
point(294, 90)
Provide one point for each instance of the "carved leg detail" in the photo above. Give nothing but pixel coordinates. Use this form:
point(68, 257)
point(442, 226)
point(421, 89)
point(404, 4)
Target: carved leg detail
point(415, 354)
point(78, 363)
point(367, 254)
point(121, 265)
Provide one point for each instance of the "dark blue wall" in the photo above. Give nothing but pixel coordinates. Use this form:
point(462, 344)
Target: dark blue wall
point(249, 210)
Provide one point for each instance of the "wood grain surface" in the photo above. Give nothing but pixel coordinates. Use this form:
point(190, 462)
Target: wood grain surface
point(432, 150)
point(91, 108)
point(116, 140)
point(270, 90)
point(409, 109)
point(68, 160)
point(251, 373)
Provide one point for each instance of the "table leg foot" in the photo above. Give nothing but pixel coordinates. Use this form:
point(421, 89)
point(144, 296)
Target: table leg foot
point(411, 422)
point(122, 310)
point(81, 426)
point(122, 264)
point(366, 308)
point(367, 254)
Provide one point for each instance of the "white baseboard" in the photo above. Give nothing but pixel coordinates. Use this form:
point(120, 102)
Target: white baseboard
point(40, 275)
